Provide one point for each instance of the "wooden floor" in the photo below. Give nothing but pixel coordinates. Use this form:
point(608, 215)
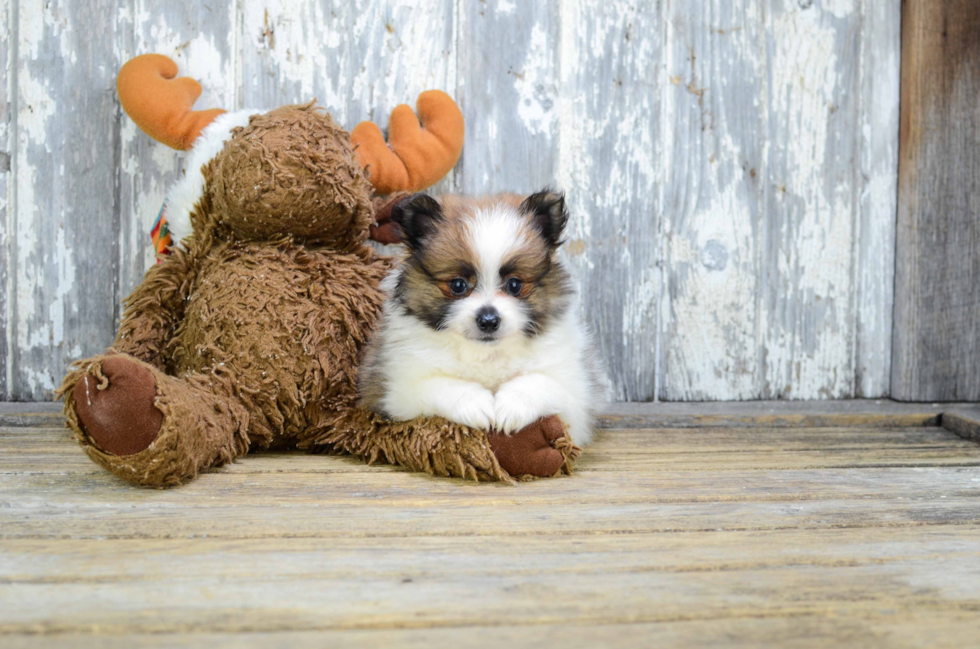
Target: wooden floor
point(755, 524)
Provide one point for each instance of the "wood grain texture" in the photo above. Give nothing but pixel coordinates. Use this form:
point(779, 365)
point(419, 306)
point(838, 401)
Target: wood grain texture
point(779, 414)
point(879, 413)
point(8, 11)
point(628, 482)
point(753, 472)
point(730, 168)
point(937, 281)
point(609, 163)
point(37, 456)
point(294, 52)
point(64, 173)
point(879, 69)
point(808, 296)
point(714, 206)
point(779, 217)
point(509, 86)
point(759, 545)
point(884, 630)
point(965, 422)
point(426, 596)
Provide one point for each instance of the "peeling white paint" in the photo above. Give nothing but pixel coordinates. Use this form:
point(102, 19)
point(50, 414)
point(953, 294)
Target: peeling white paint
point(713, 347)
point(637, 110)
point(535, 85)
point(201, 57)
point(25, 213)
point(809, 339)
point(400, 49)
point(35, 111)
point(506, 6)
point(40, 18)
point(609, 164)
point(40, 381)
point(875, 239)
point(839, 8)
point(289, 39)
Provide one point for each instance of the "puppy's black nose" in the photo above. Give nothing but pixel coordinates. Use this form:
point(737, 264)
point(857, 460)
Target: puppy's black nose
point(488, 319)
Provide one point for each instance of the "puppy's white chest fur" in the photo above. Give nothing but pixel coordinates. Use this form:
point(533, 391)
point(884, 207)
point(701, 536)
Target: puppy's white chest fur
point(490, 366)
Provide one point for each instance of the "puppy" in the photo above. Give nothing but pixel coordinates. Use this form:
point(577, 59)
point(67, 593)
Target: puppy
point(481, 325)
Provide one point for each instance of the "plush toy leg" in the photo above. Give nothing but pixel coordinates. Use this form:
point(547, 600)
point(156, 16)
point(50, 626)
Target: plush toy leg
point(541, 449)
point(149, 428)
point(440, 447)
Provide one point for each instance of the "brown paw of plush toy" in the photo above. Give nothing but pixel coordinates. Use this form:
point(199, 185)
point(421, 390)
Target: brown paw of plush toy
point(118, 411)
point(531, 451)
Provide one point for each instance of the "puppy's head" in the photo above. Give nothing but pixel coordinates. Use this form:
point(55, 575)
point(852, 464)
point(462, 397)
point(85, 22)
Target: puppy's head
point(486, 268)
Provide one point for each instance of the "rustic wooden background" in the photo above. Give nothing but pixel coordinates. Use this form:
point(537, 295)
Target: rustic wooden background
point(936, 346)
point(731, 164)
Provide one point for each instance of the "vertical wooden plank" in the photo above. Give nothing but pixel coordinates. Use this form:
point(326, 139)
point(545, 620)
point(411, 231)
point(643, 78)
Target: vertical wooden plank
point(398, 49)
point(202, 36)
point(7, 41)
point(359, 59)
point(63, 280)
point(936, 342)
point(294, 52)
point(610, 164)
point(509, 89)
point(880, 63)
point(808, 296)
point(401, 48)
point(714, 205)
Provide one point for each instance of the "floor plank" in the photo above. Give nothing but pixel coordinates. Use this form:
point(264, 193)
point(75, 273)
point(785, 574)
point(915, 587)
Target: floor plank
point(965, 422)
point(772, 535)
point(152, 560)
point(894, 629)
point(40, 450)
point(360, 601)
point(670, 414)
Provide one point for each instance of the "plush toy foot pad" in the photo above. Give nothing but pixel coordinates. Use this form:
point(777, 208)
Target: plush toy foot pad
point(117, 410)
point(531, 450)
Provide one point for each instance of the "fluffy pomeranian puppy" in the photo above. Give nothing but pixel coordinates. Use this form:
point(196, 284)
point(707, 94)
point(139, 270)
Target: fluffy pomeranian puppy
point(481, 325)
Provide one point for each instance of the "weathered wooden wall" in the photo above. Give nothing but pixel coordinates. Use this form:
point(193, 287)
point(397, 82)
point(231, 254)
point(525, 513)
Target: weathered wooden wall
point(937, 274)
point(731, 164)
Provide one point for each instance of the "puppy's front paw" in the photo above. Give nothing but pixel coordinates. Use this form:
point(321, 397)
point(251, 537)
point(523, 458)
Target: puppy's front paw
point(513, 412)
point(475, 409)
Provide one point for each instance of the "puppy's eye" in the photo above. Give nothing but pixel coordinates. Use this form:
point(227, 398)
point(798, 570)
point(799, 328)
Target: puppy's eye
point(458, 286)
point(514, 286)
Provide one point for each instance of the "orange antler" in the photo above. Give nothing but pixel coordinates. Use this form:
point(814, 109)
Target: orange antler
point(161, 104)
point(416, 155)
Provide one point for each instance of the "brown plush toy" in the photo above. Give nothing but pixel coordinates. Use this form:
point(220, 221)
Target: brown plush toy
point(247, 336)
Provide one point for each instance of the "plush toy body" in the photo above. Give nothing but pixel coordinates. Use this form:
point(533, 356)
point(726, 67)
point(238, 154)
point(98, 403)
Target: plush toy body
point(249, 334)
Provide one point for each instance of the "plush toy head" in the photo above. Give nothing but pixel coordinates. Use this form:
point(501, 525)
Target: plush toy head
point(291, 171)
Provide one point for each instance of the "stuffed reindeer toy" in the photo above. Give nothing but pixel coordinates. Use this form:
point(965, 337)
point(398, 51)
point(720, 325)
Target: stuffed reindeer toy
point(248, 332)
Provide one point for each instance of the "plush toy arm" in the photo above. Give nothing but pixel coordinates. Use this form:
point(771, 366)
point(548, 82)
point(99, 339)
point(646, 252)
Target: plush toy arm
point(420, 150)
point(155, 309)
point(383, 230)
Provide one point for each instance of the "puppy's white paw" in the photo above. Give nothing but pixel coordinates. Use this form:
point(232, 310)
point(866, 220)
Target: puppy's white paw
point(475, 409)
point(513, 412)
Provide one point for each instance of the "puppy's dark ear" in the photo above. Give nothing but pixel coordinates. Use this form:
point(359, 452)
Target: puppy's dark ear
point(416, 218)
point(548, 214)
